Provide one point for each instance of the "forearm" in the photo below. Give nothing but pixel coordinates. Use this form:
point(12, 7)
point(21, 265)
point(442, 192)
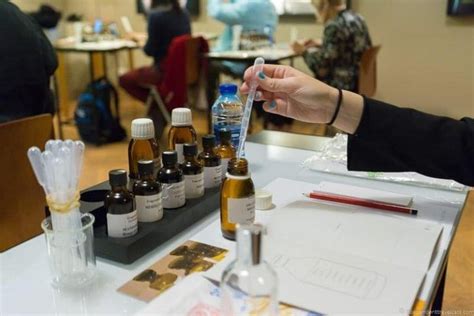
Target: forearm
point(394, 139)
point(350, 111)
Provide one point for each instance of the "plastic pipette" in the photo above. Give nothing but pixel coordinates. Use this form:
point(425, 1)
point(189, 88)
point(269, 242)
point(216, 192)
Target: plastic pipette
point(258, 67)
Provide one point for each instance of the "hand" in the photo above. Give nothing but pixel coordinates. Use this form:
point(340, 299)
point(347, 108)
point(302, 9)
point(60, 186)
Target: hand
point(293, 94)
point(137, 37)
point(312, 43)
point(298, 48)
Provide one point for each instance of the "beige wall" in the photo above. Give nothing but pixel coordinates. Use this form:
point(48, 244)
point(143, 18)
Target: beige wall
point(426, 61)
point(427, 58)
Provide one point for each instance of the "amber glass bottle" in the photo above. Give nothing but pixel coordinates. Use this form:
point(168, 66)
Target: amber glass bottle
point(143, 146)
point(171, 177)
point(193, 173)
point(225, 149)
point(121, 213)
point(237, 198)
point(211, 162)
point(181, 131)
point(147, 192)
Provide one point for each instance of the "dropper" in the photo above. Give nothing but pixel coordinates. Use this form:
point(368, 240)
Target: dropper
point(258, 67)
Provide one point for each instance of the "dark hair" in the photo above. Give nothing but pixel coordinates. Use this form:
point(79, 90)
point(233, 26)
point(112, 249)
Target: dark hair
point(174, 4)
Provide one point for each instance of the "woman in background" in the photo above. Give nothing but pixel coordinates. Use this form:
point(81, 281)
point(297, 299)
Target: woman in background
point(166, 20)
point(335, 60)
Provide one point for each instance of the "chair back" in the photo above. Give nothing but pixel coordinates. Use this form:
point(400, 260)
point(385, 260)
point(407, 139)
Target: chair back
point(22, 200)
point(193, 52)
point(368, 71)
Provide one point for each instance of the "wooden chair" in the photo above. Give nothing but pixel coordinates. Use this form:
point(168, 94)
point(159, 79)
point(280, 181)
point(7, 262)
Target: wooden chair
point(22, 199)
point(368, 71)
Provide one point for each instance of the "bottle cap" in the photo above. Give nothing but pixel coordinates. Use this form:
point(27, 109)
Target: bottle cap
point(118, 177)
point(208, 141)
point(225, 135)
point(169, 157)
point(263, 200)
point(143, 128)
point(228, 88)
point(251, 235)
point(190, 149)
point(181, 117)
point(146, 167)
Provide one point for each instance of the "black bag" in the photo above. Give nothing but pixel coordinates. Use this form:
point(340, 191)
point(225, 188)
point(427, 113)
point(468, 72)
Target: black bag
point(93, 116)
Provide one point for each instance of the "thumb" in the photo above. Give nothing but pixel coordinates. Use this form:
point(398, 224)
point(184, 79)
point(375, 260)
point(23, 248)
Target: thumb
point(272, 84)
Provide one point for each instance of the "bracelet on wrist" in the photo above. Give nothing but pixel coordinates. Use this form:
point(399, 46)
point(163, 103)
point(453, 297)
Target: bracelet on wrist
point(338, 107)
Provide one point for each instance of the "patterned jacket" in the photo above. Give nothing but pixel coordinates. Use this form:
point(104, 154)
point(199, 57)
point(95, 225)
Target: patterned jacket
point(336, 62)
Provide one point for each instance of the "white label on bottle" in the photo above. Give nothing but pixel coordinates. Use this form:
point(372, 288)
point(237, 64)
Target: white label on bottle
point(241, 211)
point(149, 207)
point(173, 195)
point(194, 185)
point(225, 164)
point(179, 150)
point(212, 176)
point(122, 225)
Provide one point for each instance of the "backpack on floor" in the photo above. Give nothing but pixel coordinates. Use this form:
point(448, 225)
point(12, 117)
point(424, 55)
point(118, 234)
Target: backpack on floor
point(93, 116)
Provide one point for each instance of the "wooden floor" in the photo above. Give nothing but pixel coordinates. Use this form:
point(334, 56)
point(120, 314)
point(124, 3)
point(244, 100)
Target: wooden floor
point(459, 293)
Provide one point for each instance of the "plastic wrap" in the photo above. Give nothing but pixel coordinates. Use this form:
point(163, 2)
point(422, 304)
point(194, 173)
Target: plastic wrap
point(333, 159)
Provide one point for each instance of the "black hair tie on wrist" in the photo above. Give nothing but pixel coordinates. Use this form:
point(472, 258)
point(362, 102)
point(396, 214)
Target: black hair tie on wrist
point(338, 107)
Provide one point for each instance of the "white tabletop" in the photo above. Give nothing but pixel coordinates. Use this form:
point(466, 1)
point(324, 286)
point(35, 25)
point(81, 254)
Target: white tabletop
point(25, 280)
point(266, 53)
point(100, 46)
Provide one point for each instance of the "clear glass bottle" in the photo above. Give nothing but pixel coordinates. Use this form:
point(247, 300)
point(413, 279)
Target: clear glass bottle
point(193, 173)
point(249, 285)
point(181, 131)
point(142, 146)
point(227, 112)
point(147, 192)
point(121, 213)
point(211, 162)
point(225, 149)
point(237, 198)
point(172, 179)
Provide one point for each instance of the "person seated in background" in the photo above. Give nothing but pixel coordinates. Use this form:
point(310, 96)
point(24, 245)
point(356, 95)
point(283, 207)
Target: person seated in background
point(27, 62)
point(255, 17)
point(166, 20)
point(382, 137)
point(335, 60)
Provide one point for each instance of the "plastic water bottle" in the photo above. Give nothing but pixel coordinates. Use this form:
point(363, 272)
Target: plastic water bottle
point(227, 112)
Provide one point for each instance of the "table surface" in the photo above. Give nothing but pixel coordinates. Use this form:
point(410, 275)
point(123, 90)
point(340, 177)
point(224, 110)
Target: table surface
point(269, 54)
point(101, 46)
point(24, 268)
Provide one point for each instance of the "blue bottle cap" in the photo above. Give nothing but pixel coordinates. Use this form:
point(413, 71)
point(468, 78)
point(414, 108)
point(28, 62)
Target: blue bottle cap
point(228, 88)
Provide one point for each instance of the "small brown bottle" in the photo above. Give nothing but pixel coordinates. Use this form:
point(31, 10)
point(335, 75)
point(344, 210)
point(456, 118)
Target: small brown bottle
point(225, 149)
point(143, 146)
point(237, 198)
point(181, 131)
point(121, 213)
point(211, 162)
point(172, 179)
point(193, 173)
point(147, 192)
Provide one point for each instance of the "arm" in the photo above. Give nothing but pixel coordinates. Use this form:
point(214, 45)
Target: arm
point(155, 30)
point(226, 12)
point(395, 139)
point(321, 61)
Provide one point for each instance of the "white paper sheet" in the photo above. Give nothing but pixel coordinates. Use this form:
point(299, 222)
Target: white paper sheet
point(335, 258)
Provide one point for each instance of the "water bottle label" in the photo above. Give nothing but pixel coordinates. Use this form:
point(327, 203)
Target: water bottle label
point(173, 195)
point(149, 207)
point(122, 225)
point(194, 185)
point(241, 211)
point(179, 150)
point(212, 176)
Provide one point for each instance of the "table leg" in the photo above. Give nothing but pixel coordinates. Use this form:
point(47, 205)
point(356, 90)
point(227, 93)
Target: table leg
point(62, 88)
point(131, 63)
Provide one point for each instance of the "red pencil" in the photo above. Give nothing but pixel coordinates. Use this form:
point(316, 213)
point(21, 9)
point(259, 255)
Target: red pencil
point(344, 199)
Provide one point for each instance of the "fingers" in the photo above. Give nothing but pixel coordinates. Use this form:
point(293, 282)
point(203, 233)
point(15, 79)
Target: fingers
point(268, 70)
